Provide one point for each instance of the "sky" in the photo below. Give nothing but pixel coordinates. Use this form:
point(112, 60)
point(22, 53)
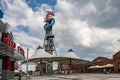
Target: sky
point(90, 27)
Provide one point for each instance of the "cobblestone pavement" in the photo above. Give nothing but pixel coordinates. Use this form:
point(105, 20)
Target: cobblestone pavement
point(77, 77)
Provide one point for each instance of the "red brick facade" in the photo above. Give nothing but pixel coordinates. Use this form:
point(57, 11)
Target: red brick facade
point(115, 61)
point(64, 67)
point(102, 61)
point(74, 68)
point(39, 67)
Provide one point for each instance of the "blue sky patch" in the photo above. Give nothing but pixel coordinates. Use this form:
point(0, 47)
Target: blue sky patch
point(35, 3)
point(23, 28)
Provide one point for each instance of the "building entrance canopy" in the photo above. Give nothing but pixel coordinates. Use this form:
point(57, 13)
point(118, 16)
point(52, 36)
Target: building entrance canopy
point(10, 51)
point(61, 60)
point(70, 61)
point(41, 56)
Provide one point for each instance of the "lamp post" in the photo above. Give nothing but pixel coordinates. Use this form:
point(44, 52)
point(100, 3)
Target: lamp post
point(27, 65)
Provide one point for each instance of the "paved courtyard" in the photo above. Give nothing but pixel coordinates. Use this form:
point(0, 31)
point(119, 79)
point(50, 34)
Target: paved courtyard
point(80, 76)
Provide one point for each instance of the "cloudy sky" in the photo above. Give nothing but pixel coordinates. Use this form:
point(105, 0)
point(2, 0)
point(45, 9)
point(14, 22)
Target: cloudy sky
point(90, 27)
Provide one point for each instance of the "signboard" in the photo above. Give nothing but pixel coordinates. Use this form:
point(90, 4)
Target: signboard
point(6, 39)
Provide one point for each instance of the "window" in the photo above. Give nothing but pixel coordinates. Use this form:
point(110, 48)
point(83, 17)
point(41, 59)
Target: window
point(98, 60)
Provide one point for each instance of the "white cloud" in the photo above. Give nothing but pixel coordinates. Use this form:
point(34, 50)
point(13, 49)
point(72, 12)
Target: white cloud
point(88, 9)
point(26, 39)
point(71, 30)
point(19, 13)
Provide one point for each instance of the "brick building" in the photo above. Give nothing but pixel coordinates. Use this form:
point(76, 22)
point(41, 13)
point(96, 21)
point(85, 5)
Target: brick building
point(116, 62)
point(101, 61)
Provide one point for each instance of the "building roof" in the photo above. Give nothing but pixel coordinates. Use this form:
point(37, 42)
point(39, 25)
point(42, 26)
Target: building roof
point(116, 54)
point(40, 53)
point(100, 58)
point(71, 54)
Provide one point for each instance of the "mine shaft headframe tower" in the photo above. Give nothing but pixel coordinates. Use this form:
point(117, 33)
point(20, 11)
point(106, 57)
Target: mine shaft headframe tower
point(48, 44)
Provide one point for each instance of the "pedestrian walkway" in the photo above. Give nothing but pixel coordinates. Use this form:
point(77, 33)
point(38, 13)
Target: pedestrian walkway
point(80, 76)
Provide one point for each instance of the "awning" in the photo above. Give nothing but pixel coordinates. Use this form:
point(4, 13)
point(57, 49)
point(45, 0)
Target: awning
point(108, 66)
point(104, 66)
point(95, 67)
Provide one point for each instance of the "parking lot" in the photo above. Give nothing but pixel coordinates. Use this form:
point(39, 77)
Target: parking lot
point(81, 76)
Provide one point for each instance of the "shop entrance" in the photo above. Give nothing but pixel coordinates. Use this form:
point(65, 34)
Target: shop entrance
point(118, 66)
